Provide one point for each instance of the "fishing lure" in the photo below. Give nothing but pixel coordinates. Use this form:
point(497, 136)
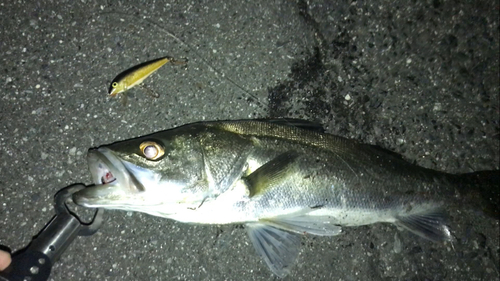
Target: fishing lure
point(135, 75)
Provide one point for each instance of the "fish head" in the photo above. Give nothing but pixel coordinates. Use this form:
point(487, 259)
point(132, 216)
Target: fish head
point(161, 174)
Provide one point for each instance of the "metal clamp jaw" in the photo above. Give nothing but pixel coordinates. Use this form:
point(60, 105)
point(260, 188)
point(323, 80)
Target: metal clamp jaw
point(34, 263)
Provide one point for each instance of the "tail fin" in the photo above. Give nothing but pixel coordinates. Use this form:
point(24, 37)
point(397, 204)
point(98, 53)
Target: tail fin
point(482, 190)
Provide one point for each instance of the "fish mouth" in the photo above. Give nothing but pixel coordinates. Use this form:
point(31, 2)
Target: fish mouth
point(112, 181)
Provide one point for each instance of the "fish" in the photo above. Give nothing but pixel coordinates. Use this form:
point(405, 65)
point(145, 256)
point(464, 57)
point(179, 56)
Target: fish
point(136, 75)
point(280, 179)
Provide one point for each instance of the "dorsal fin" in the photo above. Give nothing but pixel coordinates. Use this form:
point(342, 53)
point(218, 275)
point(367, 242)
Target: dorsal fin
point(299, 123)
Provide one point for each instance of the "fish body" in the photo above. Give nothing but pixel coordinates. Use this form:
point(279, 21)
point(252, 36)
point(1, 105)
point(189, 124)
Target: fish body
point(135, 75)
point(280, 180)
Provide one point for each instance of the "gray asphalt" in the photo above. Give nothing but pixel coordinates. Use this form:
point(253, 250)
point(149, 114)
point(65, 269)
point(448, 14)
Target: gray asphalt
point(420, 78)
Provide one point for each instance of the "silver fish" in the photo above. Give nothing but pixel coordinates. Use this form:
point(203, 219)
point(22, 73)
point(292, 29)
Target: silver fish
point(280, 179)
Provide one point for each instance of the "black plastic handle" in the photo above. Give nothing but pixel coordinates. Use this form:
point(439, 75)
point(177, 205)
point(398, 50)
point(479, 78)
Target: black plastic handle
point(35, 262)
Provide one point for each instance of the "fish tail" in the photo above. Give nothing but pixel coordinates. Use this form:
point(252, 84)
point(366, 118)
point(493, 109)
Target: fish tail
point(478, 190)
point(481, 190)
point(427, 221)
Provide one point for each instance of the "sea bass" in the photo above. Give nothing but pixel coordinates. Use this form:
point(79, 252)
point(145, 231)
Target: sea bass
point(279, 178)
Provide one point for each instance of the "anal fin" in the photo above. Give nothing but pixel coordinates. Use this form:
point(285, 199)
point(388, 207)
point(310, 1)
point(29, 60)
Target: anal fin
point(429, 224)
point(316, 225)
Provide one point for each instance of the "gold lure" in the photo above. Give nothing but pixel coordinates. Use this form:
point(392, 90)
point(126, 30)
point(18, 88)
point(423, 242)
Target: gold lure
point(135, 75)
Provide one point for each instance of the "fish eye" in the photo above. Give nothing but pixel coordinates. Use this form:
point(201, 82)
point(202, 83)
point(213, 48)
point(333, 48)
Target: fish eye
point(114, 85)
point(152, 150)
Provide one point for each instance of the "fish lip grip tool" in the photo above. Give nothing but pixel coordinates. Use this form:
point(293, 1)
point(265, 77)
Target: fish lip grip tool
point(34, 263)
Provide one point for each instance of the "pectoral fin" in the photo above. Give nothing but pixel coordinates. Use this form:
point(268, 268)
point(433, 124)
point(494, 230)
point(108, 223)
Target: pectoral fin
point(278, 248)
point(271, 174)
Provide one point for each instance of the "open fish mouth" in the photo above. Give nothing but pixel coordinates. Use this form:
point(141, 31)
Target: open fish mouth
point(118, 184)
point(107, 178)
point(110, 177)
point(101, 173)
